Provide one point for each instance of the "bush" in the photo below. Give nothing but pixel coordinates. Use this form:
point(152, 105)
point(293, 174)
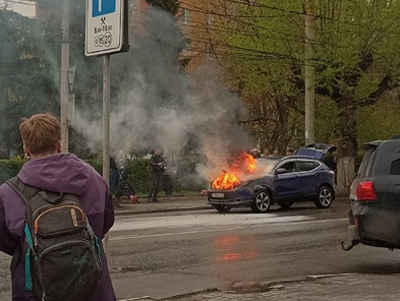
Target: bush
point(10, 168)
point(139, 173)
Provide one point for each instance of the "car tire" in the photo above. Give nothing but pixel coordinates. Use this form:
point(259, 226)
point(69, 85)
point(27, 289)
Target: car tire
point(223, 208)
point(286, 205)
point(324, 197)
point(262, 201)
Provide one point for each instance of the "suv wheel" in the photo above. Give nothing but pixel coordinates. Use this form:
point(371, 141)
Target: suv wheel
point(324, 197)
point(223, 208)
point(286, 205)
point(262, 201)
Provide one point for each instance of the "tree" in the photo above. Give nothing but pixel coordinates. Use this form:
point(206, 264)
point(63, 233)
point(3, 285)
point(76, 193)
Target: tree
point(356, 57)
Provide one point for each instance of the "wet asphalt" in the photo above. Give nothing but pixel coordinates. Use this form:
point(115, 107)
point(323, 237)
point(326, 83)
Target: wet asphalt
point(166, 254)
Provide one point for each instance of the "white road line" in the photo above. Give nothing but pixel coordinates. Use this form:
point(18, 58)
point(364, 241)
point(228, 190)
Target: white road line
point(229, 229)
point(177, 233)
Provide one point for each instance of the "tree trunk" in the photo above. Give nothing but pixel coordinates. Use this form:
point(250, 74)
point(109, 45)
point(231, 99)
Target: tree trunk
point(348, 145)
point(345, 175)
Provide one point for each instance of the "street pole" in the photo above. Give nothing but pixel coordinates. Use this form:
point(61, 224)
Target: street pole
point(309, 72)
point(64, 88)
point(106, 130)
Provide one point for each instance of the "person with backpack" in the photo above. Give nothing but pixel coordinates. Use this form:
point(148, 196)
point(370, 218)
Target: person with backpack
point(53, 216)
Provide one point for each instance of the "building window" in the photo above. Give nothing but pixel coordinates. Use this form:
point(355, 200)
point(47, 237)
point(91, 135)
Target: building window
point(132, 7)
point(186, 16)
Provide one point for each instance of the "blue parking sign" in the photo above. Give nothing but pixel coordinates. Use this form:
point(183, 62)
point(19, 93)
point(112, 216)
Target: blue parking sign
point(103, 7)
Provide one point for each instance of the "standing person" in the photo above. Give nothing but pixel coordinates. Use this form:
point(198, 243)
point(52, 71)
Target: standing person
point(330, 160)
point(48, 172)
point(157, 164)
point(114, 179)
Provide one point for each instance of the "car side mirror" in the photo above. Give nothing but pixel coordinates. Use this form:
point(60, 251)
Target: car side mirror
point(280, 171)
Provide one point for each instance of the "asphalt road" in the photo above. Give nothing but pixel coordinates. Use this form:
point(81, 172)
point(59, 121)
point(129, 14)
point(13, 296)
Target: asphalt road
point(161, 255)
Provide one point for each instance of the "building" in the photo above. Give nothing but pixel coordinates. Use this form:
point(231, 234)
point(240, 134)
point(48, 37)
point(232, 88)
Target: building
point(197, 23)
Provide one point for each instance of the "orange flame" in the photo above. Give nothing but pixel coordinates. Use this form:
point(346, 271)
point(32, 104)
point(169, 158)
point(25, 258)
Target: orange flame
point(243, 164)
point(226, 181)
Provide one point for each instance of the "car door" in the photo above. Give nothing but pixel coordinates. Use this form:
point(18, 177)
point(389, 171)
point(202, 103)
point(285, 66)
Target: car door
point(309, 177)
point(287, 185)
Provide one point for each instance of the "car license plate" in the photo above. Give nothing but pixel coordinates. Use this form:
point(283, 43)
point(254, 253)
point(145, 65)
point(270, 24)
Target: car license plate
point(218, 195)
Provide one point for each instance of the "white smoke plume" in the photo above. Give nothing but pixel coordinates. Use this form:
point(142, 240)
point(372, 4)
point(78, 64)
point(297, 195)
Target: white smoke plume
point(157, 105)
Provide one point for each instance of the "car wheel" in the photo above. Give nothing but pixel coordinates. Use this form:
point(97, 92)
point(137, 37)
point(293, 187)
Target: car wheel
point(286, 205)
point(262, 202)
point(324, 197)
point(223, 208)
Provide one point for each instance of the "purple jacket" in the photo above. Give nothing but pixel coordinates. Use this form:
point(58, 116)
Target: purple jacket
point(60, 173)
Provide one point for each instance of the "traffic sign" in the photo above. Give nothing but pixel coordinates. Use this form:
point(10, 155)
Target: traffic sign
point(105, 26)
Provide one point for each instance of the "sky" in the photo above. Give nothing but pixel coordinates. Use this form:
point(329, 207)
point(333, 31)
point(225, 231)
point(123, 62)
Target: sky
point(26, 8)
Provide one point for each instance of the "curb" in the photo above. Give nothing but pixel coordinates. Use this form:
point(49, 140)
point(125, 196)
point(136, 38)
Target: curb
point(161, 210)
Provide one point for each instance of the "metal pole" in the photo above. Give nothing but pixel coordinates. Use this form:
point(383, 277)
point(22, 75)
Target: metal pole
point(309, 72)
point(106, 130)
point(64, 88)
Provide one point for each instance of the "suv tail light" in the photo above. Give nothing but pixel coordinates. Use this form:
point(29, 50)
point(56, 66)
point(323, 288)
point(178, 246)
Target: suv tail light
point(365, 192)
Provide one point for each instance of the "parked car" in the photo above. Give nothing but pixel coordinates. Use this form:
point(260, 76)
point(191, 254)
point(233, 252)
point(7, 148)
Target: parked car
point(374, 218)
point(286, 181)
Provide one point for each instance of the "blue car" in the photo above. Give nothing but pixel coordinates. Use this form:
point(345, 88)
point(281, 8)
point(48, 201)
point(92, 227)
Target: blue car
point(287, 180)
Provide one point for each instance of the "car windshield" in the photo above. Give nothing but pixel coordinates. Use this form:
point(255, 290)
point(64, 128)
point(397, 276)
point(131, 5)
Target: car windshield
point(267, 164)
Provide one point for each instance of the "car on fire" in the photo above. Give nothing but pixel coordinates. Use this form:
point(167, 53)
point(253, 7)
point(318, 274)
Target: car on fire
point(283, 181)
point(374, 218)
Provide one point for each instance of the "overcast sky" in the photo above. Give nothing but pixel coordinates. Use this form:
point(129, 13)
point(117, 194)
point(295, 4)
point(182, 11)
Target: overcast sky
point(25, 8)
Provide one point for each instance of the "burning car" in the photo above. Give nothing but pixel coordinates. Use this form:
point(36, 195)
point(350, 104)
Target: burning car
point(265, 181)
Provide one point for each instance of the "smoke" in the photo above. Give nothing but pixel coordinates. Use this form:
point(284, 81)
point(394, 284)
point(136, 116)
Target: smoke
point(157, 105)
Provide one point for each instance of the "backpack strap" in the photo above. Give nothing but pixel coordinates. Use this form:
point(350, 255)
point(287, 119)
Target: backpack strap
point(26, 193)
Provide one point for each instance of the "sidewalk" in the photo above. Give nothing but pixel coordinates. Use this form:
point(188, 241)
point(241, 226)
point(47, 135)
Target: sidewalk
point(178, 203)
point(355, 287)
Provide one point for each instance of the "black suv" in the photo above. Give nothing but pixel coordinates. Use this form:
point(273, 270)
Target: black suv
point(375, 196)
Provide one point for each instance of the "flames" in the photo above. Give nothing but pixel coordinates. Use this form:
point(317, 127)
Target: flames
point(243, 164)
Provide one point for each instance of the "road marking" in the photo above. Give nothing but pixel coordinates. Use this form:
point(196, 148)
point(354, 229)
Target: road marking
point(277, 223)
point(177, 233)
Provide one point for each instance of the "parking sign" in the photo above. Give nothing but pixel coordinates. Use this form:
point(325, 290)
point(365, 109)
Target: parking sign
point(104, 26)
point(103, 7)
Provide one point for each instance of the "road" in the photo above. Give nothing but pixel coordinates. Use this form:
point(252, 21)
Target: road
point(162, 255)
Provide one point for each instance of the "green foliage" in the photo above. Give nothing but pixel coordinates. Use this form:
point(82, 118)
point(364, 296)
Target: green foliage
point(140, 174)
point(379, 121)
point(10, 168)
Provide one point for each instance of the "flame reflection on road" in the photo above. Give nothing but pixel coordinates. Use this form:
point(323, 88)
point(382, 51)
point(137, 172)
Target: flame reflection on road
point(234, 248)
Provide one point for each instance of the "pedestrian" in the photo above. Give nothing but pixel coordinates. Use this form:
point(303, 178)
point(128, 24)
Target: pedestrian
point(114, 179)
point(49, 173)
point(290, 152)
point(125, 187)
point(157, 165)
point(255, 153)
point(330, 160)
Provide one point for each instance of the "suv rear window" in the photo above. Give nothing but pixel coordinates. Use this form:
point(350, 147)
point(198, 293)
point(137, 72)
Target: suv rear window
point(395, 168)
point(366, 162)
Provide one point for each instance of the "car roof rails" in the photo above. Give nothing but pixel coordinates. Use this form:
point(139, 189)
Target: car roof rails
point(299, 157)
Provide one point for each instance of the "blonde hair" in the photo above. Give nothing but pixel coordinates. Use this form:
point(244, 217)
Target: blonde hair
point(40, 133)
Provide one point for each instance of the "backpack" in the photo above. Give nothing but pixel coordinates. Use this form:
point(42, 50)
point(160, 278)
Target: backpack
point(62, 253)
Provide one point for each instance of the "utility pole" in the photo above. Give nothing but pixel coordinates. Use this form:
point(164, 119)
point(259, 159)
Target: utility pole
point(64, 88)
point(106, 129)
point(309, 72)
